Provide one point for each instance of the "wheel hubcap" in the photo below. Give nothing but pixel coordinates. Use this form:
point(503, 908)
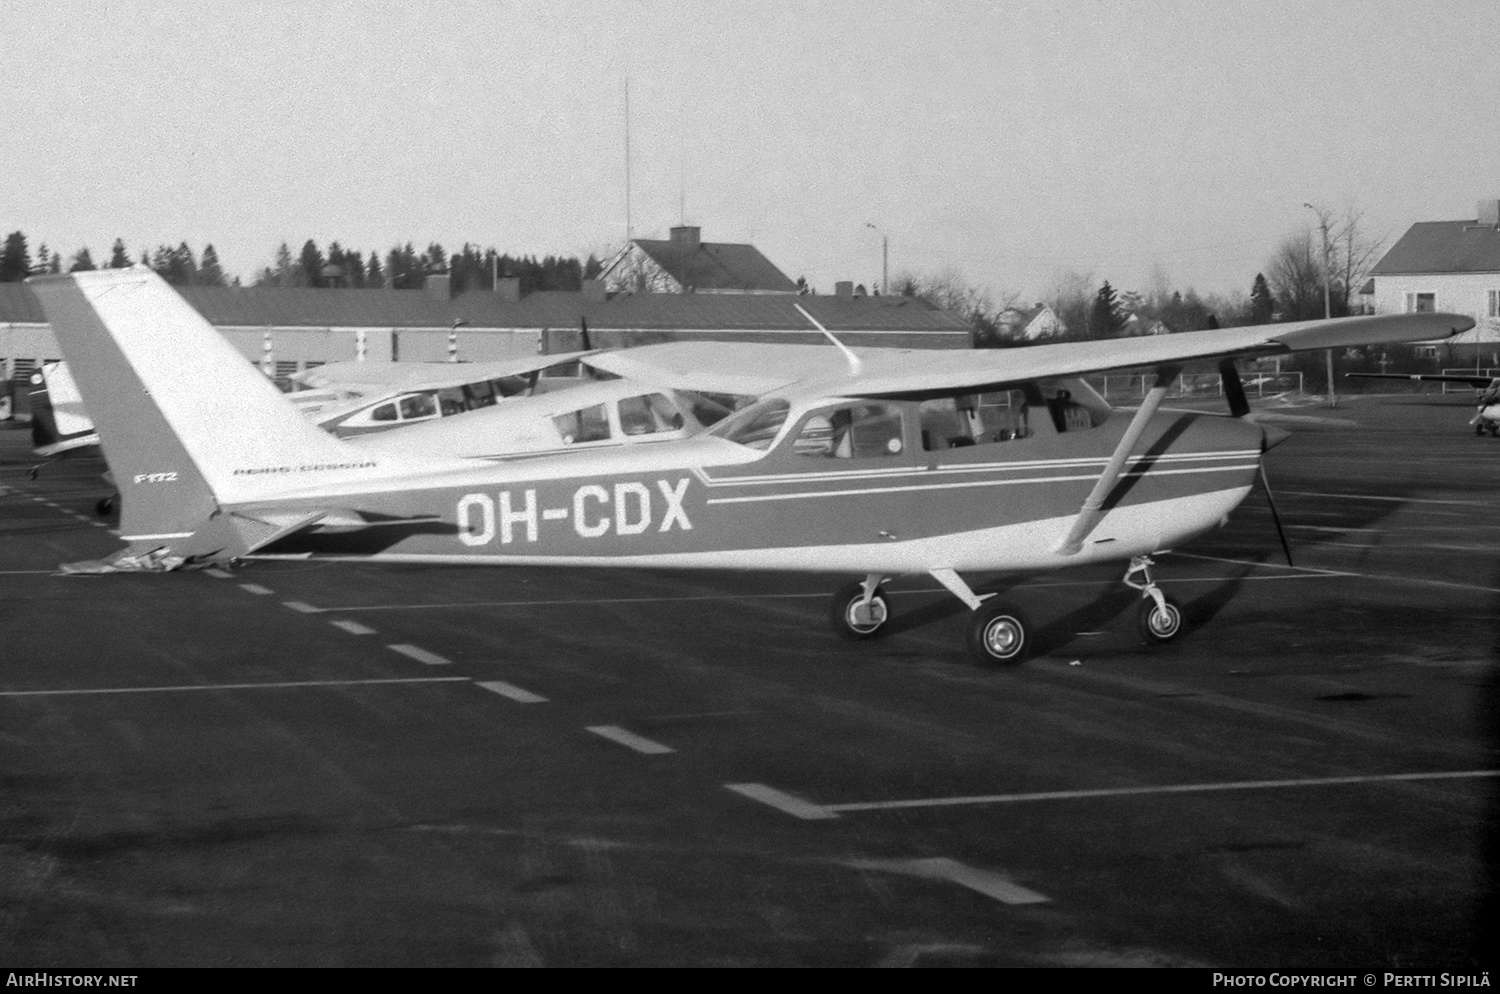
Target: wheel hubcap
point(866, 617)
point(1002, 637)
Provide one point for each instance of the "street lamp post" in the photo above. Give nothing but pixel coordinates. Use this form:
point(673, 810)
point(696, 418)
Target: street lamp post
point(1327, 297)
point(885, 258)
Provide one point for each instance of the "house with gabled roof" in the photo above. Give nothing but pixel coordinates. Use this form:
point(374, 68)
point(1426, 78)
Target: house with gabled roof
point(1449, 266)
point(684, 263)
point(1029, 324)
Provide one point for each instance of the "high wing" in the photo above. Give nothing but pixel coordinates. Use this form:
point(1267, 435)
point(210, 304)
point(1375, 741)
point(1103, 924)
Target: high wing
point(915, 373)
point(742, 368)
point(381, 375)
point(1477, 382)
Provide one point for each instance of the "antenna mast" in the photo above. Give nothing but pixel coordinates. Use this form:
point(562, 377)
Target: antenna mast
point(629, 233)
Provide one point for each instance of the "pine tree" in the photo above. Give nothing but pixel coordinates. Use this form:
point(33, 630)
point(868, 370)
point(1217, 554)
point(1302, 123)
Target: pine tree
point(15, 261)
point(374, 275)
point(119, 258)
point(1105, 319)
point(310, 263)
point(1262, 303)
point(209, 271)
point(82, 262)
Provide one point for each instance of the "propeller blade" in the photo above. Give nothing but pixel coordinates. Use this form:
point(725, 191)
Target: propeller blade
point(583, 330)
point(1271, 502)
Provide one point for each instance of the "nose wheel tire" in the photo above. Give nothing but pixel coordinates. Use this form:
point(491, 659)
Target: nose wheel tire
point(855, 621)
point(999, 634)
point(1160, 624)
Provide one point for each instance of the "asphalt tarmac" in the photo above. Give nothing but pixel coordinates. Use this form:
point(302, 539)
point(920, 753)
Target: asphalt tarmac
point(298, 764)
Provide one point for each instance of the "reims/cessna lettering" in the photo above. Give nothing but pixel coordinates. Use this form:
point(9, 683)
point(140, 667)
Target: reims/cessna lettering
point(879, 464)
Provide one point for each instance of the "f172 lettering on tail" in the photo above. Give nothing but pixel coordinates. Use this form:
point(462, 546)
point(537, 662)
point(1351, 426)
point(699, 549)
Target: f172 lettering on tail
point(888, 463)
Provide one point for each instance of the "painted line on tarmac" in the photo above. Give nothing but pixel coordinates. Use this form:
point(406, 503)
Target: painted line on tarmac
point(256, 588)
point(1391, 500)
point(420, 655)
point(301, 607)
point(219, 574)
point(1192, 788)
point(353, 627)
point(510, 690)
point(782, 801)
point(630, 740)
point(986, 882)
point(568, 602)
point(290, 685)
point(1314, 572)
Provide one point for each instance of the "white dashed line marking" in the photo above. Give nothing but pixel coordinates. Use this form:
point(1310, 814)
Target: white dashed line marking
point(420, 655)
point(630, 740)
point(256, 588)
point(234, 686)
point(219, 574)
point(1189, 788)
point(353, 627)
point(302, 607)
point(513, 692)
point(986, 882)
point(786, 803)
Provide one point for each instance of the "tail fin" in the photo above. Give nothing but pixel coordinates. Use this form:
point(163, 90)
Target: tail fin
point(58, 421)
point(187, 424)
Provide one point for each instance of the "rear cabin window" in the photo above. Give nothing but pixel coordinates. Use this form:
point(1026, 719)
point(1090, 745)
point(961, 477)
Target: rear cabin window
point(588, 425)
point(648, 414)
point(855, 432)
point(451, 401)
point(418, 405)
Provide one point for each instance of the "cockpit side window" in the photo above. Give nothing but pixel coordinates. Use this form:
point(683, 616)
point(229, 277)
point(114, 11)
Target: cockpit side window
point(385, 412)
point(588, 425)
point(976, 419)
point(755, 426)
point(418, 405)
point(648, 414)
point(855, 432)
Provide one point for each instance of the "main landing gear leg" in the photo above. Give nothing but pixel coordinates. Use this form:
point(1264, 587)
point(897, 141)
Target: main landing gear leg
point(859, 610)
point(998, 631)
point(1160, 618)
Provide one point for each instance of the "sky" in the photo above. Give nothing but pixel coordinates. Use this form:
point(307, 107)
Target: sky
point(1015, 145)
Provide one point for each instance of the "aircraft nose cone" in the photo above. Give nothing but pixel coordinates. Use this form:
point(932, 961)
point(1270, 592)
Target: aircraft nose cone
point(1271, 436)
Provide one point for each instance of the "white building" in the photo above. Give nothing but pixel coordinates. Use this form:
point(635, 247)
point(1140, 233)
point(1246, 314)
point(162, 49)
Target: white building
point(1449, 266)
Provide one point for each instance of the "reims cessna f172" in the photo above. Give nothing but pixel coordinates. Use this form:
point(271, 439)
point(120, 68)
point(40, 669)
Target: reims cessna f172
point(890, 466)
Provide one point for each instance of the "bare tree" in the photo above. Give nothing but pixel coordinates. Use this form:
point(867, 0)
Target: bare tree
point(1295, 273)
point(949, 290)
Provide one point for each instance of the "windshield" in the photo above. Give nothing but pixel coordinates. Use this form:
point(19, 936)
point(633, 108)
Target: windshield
point(756, 426)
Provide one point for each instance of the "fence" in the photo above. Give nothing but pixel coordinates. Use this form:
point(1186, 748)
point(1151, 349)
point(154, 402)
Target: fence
point(1134, 386)
point(1489, 371)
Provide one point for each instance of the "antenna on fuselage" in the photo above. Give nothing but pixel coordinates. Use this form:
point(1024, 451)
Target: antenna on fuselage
point(855, 366)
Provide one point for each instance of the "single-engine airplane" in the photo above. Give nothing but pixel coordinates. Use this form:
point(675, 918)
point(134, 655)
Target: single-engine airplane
point(1486, 393)
point(903, 462)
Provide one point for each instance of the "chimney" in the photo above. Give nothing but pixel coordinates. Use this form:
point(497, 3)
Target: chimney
point(594, 290)
point(686, 237)
point(438, 285)
point(844, 289)
point(1489, 213)
point(508, 288)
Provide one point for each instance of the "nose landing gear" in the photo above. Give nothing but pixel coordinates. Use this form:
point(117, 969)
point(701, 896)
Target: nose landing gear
point(1160, 617)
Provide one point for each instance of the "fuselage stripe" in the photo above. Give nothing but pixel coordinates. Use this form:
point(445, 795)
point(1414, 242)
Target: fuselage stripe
point(970, 483)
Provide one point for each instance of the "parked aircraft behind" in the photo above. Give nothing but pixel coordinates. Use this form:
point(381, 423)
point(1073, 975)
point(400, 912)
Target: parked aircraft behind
point(889, 467)
point(1486, 390)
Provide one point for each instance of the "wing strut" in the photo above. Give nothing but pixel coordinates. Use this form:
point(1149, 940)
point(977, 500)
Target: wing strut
point(1093, 505)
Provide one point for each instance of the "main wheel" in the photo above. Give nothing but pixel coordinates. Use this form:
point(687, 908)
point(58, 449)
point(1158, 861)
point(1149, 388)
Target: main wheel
point(104, 505)
point(999, 633)
point(1157, 625)
point(852, 620)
